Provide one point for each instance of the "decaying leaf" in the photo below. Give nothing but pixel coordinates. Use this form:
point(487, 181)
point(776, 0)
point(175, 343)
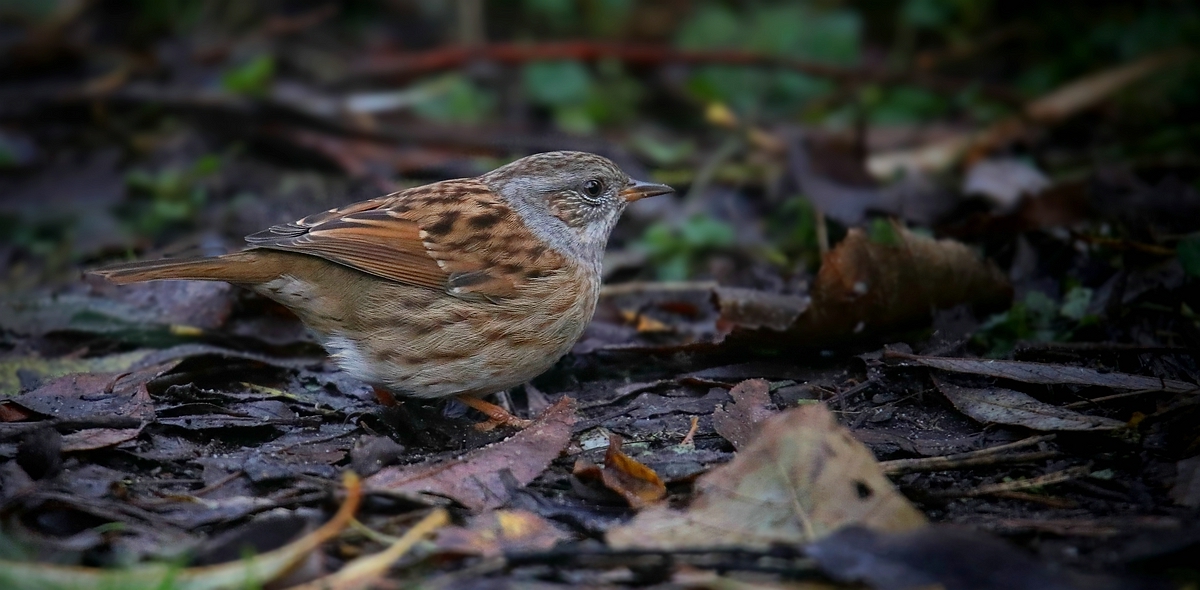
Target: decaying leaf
point(14, 369)
point(800, 479)
point(502, 531)
point(85, 396)
point(153, 314)
point(994, 405)
point(873, 286)
point(1186, 489)
point(738, 422)
point(1045, 374)
point(639, 485)
point(866, 288)
point(249, 572)
point(98, 438)
point(475, 479)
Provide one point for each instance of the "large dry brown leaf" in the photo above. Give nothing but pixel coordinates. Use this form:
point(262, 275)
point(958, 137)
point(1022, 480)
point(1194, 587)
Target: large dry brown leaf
point(475, 479)
point(994, 405)
point(1045, 374)
point(867, 287)
point(738, 422)
point(800, 479)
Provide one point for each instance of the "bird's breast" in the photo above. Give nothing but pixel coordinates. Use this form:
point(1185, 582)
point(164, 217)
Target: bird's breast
point(429, 344)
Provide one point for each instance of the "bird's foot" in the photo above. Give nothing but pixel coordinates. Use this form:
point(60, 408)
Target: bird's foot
point(497, 416)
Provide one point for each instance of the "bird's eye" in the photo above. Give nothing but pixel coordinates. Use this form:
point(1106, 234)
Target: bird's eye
point(593, 188)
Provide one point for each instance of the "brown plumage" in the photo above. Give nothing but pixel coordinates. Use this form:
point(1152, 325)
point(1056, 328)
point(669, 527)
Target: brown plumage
point(462, 287)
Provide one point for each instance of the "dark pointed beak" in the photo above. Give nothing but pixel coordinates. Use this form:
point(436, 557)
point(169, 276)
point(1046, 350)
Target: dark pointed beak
point(637, 189)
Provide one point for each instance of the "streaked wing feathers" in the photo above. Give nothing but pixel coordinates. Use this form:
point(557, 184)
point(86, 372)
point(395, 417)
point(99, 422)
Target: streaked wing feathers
point(431, 236)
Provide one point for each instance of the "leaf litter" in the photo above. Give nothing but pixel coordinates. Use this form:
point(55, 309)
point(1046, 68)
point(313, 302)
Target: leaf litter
point(252, 424)
point(802, 478)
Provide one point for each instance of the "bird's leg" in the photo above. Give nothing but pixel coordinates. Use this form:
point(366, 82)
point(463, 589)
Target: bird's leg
point(497, 416)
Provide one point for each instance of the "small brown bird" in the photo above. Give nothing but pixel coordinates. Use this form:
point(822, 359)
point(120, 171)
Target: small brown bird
point(458, 288)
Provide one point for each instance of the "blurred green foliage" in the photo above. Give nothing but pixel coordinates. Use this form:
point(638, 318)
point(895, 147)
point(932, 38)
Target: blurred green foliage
point(1037, 318)
point(797, 30)
point(792, 229)
point(169, 197)
point(252, 78)
point(579, 99)
point(602, 18)
point(1188, 252)
point(675, 249)
point(454, 98)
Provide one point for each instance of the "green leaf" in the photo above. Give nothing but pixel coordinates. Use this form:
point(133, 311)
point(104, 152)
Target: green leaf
point(1188, 252)
point(931, 14)
point(252, 78)
point(701, 232)
point(711, 26)
point(1075, 303)
point(883, 231)
point(557, 83)
point(454, 98)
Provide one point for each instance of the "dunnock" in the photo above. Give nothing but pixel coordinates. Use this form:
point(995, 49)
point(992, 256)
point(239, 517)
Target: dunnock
point(458, 288)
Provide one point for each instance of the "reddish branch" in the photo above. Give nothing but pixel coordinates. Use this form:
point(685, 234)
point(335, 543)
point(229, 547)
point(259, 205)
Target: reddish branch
point(445, 58)
point(408, 65)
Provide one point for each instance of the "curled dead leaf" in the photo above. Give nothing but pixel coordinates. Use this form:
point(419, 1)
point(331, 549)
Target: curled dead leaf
point(639, 485)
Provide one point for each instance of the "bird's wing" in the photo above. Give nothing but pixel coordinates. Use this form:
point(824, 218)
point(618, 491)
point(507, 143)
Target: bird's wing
point(455, 236)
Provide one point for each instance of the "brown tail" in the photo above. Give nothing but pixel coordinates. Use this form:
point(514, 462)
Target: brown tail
point(240, 267)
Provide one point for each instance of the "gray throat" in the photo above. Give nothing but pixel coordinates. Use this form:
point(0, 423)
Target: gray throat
point(530, 205)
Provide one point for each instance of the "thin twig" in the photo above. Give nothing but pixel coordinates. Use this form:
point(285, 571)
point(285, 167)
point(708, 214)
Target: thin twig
point(1021, 484)
point(689, 438)
point(946, 464)
point(1050, 501)
point(957, 460)
point(1106, 398)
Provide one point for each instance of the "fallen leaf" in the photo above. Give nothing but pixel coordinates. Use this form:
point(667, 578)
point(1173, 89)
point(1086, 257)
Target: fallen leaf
point(751, 309)
point(866, 288)
point(475, 479)
point(938, 556)
point(738, 422)
point(82, 397)
point(97, 438)
point(639, 485)
point(1186, 489)
point(152, 314)
point(502, 531)
point(994, 405)
point(1045, 374)
point(251, 571)
point(874, 286)
point(800, 479)
point(15, 370)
